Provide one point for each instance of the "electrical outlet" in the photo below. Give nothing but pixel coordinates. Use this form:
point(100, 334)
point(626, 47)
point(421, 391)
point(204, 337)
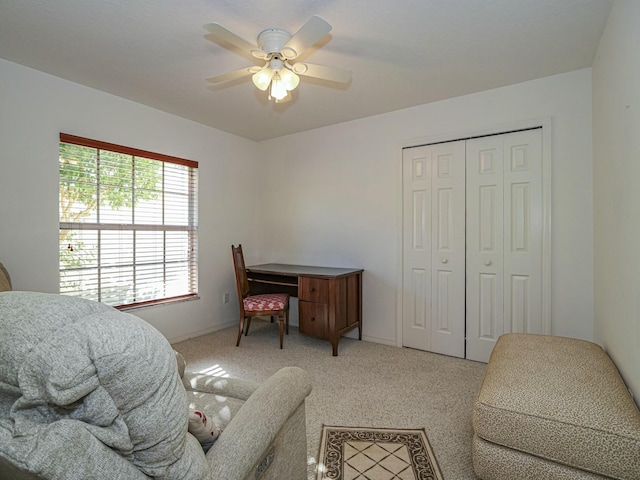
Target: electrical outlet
point(225, 298)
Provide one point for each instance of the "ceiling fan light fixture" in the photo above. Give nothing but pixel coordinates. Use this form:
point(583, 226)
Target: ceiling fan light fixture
point(289, 79)
point(278, 75)
point(262, 78)
point(278, 88)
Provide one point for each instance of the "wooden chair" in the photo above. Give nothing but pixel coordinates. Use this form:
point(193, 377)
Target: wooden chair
point(270, 304)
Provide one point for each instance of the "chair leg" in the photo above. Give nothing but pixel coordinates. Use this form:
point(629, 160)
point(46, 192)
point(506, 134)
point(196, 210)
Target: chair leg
point(281, 325)
point(248, 325)
point(286, 313)
point(240, 328)
point(272, 318)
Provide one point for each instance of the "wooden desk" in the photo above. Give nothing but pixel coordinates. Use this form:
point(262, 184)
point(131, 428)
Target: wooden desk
point(330, 299)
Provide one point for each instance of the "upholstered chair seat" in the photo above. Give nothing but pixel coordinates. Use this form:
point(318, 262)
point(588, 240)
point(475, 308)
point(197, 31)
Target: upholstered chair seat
point(267, 301)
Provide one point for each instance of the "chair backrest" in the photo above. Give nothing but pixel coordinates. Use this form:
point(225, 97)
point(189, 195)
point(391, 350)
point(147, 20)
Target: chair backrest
point(242, 282)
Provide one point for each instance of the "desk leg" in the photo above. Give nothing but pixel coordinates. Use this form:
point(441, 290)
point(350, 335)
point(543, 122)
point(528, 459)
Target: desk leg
point(281, 327)
point(334, 311)
point(334, 346)
point(360, 306)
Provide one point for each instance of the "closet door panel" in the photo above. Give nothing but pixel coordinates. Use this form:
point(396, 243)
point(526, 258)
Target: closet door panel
point(416, 298)
point(484, 230)
point(523, 237)
point(487, 304)
point(448, 249)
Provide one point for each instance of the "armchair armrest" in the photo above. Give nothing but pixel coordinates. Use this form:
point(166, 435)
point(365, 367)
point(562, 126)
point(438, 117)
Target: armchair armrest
point(226, 387)
point(247, 438)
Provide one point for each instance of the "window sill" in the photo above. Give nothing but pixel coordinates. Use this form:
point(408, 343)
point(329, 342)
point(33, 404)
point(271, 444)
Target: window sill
point(159, 303)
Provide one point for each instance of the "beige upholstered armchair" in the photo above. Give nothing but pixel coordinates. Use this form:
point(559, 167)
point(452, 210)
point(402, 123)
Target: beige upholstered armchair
point(87, 391)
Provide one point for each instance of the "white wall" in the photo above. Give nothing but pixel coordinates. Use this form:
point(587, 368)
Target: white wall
point(337, 192)
point(332, 195)
point(616, 151)
point(36, 107)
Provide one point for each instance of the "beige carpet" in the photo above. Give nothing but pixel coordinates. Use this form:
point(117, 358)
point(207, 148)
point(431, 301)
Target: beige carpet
point(348, 453)
point(368, 385)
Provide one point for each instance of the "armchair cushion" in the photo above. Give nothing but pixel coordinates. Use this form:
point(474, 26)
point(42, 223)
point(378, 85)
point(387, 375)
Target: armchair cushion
point(218, 398)
point(267, 301)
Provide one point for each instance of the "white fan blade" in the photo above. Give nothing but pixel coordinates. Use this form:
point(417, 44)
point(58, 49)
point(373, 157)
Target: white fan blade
point(320, 71)
point(225, 77)
point(309, 33)
point(225, 35)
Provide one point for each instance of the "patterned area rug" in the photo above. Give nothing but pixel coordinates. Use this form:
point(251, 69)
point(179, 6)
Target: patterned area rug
point(376, 454)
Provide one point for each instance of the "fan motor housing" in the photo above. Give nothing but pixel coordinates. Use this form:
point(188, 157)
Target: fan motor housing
point(272, 40)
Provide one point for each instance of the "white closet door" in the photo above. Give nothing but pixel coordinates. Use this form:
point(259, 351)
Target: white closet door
point(485, 291)
point(504, 238)
point(434, 248)
point(416, 298)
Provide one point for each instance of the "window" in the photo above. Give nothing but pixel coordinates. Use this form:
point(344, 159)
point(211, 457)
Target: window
point(128, 224)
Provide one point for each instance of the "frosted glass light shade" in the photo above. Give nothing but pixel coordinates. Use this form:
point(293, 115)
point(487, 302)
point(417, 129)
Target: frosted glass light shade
point(289, 79)
point(262, 79)
point(278, 88)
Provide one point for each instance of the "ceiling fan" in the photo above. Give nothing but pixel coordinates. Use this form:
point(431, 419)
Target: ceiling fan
point(278, 49)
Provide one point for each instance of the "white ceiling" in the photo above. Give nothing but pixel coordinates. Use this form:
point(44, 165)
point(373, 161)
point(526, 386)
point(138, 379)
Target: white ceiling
point(401, 52)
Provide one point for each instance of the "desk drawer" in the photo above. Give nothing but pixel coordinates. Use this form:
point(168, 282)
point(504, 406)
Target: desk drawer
point(313, 319)
point(313, 289)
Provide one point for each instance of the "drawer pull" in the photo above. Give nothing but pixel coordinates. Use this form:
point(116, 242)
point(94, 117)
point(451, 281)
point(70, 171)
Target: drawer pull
point(312, 289)
point(313, 319)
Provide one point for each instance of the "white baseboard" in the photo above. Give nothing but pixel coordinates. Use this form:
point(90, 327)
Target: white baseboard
point(234, 323)
point(383, 341)
point(369, 338)
point(199, 333)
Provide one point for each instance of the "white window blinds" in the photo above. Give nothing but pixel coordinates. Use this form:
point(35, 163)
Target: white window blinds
point(128, 224)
